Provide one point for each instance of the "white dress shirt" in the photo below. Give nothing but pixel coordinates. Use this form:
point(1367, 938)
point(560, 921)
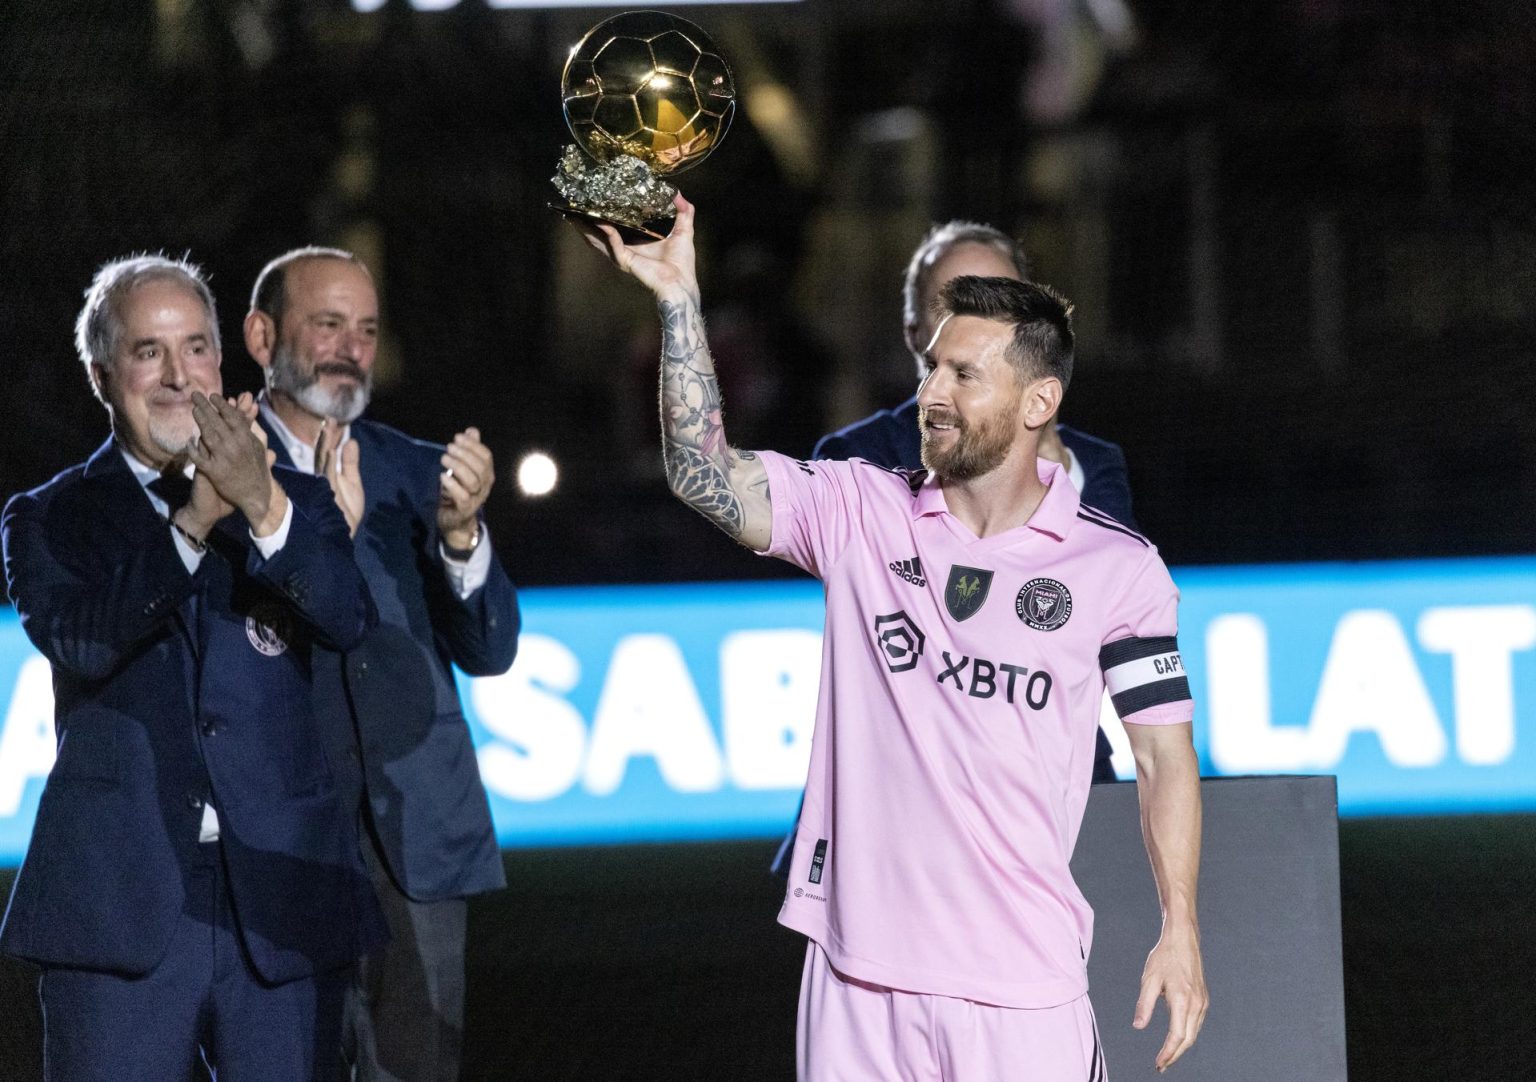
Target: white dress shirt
point(465, 576)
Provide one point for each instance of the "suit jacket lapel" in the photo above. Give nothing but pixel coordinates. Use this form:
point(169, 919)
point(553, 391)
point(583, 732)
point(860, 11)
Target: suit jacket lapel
point(128, 505)
point(275, 441)
point(368, 462)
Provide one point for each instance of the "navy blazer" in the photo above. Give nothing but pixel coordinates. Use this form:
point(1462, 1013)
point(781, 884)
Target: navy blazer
point(172, 690)
point(418, 773)
point(891, 438)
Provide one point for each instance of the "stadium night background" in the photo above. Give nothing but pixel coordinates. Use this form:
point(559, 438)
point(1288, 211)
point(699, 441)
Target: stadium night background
point(1300, 236)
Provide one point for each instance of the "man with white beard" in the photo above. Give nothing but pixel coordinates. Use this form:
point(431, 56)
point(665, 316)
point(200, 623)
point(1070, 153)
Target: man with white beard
point(192, 885)
point(390, 708)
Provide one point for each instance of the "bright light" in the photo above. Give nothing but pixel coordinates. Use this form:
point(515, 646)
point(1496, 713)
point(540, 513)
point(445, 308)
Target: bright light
point(537, 474)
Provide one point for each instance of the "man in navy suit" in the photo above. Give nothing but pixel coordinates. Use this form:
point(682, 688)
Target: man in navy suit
point(192, 881)
point(444, 599)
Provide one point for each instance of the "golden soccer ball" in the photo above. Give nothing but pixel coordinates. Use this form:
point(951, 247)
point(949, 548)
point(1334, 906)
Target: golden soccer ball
point(650, 85)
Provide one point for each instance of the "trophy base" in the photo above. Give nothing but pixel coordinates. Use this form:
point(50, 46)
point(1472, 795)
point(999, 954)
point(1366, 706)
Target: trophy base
point(654, 229)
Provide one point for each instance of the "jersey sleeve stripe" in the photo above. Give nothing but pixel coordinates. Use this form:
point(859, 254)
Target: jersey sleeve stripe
point(1134, 649)
point(1143, 696)
point(1142, 541)
point(1106, 518)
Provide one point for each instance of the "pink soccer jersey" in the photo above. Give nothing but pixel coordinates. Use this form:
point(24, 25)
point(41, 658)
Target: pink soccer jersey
point(960, 690)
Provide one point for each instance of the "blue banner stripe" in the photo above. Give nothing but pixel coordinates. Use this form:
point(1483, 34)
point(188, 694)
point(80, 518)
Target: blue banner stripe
point(663, 713)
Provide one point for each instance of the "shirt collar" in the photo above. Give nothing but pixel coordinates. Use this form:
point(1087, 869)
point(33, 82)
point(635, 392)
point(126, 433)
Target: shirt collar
point(301, 454)
point(146, 475)
point(1054, 516)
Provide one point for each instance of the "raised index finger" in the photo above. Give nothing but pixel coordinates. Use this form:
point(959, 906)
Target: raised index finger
point(206, 414)
point(229, 411)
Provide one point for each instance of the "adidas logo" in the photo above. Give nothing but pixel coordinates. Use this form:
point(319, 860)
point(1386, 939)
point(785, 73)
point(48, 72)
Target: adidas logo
point(911, 570)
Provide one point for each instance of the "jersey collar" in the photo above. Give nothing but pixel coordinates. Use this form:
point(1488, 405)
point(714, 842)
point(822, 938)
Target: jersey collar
point(1055, 515)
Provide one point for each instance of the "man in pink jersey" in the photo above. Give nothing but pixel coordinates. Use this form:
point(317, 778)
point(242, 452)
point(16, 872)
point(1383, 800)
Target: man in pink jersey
point(976, 612)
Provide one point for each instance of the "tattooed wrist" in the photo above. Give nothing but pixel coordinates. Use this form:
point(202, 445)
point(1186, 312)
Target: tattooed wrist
point(676, 294)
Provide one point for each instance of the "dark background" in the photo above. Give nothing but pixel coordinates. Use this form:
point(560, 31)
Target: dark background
point(1299, 234)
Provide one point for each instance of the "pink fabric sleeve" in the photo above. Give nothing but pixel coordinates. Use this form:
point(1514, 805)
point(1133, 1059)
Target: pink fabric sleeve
point(815, 505)
point(1143, 669)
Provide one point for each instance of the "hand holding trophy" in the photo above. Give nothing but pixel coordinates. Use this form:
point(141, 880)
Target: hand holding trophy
point(646, 95)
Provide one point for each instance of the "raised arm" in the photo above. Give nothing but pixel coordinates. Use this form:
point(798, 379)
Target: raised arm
point(726, 486)
point(1168, 781)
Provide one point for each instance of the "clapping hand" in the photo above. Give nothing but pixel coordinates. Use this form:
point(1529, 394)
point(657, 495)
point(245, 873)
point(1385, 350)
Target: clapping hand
point(231, 454)
point(341, 470)
point(468, 473)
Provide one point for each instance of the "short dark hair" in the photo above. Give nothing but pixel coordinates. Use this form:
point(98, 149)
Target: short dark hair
point(270, 293)
point(1041, 317)
point(937, 243)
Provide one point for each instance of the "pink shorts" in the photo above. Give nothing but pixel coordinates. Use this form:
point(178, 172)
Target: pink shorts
point(850, 1031)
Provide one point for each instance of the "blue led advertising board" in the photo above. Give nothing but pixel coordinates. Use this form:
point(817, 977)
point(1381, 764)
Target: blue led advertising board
point(685, 712)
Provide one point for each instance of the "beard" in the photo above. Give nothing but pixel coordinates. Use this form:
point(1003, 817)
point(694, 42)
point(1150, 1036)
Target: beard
point(173, 435)
point(979, 447)
point(342, 404)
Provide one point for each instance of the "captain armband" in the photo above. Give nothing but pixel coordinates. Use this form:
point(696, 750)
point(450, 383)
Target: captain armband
point(1143, 673)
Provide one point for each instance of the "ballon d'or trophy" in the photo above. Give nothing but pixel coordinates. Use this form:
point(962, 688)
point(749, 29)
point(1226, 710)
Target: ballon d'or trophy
point(646, 96)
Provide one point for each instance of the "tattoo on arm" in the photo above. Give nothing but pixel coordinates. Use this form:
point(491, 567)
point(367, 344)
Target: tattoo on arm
point(699, 462)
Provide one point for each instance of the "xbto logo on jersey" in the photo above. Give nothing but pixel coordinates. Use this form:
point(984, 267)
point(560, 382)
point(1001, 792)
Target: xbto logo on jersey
point(900, 641)
point(982, 683)
point(911, 570)
point(1043, 604)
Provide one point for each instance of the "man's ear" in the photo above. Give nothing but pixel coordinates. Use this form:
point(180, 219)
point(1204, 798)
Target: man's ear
point(1042, 399)
point(260, 336)
point(98, 374)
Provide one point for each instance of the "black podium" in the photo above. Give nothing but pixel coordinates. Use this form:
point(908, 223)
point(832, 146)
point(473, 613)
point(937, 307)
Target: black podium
point(1269, 921)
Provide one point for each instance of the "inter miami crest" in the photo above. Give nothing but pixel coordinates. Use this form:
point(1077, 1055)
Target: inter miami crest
point(966, 590)
point(269, 627)
point(1043, 604)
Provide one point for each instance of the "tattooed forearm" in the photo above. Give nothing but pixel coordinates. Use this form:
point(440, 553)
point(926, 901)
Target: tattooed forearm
point(702, 485)
point(699, 462)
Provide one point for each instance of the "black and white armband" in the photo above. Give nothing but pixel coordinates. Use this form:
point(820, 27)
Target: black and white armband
point(1142, 673)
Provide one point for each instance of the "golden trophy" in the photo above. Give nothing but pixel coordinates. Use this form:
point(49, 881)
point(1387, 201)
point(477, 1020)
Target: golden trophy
point(646, 96)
